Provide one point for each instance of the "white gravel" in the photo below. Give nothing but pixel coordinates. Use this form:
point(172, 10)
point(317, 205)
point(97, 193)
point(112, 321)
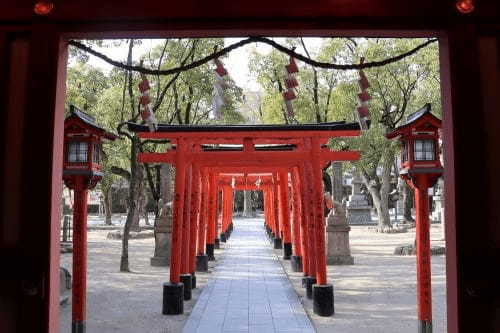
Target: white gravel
point(377, 294)
point(125, 302)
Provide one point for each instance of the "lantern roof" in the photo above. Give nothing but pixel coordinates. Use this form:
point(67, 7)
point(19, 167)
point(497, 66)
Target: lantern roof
point(416, 119)
point(77, 116)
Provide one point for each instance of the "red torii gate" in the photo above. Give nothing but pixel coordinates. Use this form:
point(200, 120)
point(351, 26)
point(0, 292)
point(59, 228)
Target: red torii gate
point(198, 161)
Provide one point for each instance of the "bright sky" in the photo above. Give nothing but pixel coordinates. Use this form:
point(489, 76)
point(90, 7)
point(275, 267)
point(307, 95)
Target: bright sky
point(236, 63)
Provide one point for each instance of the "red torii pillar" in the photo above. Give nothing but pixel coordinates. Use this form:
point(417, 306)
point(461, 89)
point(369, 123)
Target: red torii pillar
point(227, 211)
point(296, 262)
point(308, 205)
point(201, 257)
point(195, 216)
point(278, 241)
point(185, 277)
point(322, 291)
point(212, 216)
point(173, 291)
point(284, 209)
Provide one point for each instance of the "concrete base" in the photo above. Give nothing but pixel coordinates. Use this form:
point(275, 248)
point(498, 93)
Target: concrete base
point(287, 251)
point(202, 263)
point(160, 261)
point(210, 252)
point(78, 327)
point(424, 326)
point(173, 298)
point(296, 263)
point(340, 260)
point(217, 243)
point(186, 279)
point(193, 280)
point(310, 281)
point(323, 300)
point(277, 243)
point(223, 237)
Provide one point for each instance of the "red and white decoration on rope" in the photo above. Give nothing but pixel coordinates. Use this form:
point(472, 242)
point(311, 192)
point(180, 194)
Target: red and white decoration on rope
point(291, 84)
point(222, 82)
point(363, 114)
point(145, 107)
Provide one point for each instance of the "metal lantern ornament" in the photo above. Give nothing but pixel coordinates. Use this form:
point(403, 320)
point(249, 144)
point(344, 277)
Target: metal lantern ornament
point(81, 172)
point(420, 168)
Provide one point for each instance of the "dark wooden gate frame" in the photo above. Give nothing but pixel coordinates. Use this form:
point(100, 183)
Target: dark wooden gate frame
point(197, 29)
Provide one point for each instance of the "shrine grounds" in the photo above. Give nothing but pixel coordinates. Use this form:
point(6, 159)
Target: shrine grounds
point(376, 294)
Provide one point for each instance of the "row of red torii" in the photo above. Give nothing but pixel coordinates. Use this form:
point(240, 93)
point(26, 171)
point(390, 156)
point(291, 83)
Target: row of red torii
point(285, 162)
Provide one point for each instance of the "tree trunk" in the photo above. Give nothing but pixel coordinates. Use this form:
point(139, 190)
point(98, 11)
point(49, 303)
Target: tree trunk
point(133, 197)
point(144, 207)
point(247, 204)
point(407, 203)
point(384, 219)
point(379, 190)
point(108, 203)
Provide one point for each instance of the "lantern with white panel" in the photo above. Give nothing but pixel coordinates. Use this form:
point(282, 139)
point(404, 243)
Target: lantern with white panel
point(421, 167)
point(81, 172)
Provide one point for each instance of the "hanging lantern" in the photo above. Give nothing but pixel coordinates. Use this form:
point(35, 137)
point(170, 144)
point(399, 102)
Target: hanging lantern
point(144, 101)
point(465, 6)
point(220, 85)
point(291, 83)
point(43, 7)
point(363, 113)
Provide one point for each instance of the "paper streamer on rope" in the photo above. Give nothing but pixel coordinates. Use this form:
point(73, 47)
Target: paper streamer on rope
point(145, 107)
point(362, 111)
point(290, 84)
point(220, 85)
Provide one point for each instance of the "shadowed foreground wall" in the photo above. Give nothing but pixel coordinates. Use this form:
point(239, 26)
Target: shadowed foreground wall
point(32, 72)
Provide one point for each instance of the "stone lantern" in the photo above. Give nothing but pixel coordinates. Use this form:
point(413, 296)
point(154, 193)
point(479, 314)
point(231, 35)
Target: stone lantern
point(420, 168)
point(81, 172)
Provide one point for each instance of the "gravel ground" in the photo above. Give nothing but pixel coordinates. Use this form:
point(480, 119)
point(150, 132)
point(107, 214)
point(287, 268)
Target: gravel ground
point(378, 293)
point(126, 302)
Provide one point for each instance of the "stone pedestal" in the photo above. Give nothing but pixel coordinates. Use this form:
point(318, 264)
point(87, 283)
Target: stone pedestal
point(338, 251)
point(163, 238)
point(358, 210)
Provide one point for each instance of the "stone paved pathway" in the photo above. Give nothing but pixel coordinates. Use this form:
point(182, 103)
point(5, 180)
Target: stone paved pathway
point(249, 291)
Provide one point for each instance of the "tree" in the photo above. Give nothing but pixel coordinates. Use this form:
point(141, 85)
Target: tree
point(397, 89)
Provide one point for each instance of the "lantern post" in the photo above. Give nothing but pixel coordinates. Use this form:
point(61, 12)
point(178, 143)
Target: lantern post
point(420, 168)
point(81, 173)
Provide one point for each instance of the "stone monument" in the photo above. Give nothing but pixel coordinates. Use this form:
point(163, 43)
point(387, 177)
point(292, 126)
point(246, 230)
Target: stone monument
point(163, 235)
point(358, 210)
point(338, 250)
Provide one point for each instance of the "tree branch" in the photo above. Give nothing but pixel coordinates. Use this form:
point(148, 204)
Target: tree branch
point(243, 42)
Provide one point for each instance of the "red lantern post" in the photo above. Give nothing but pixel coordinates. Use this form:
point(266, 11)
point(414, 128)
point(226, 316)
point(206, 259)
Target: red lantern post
point(81, 172)
point(421, 168)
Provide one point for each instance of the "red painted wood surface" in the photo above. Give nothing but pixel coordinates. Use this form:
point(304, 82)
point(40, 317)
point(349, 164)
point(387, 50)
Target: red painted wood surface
point(177, 221)
point(297, 214)
point(212, 215)
point(203, 221)
point(284, 206)
point(186, 222)
point(319, 217)
point(195, 217)
point(79, 283)
point(424, 289)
